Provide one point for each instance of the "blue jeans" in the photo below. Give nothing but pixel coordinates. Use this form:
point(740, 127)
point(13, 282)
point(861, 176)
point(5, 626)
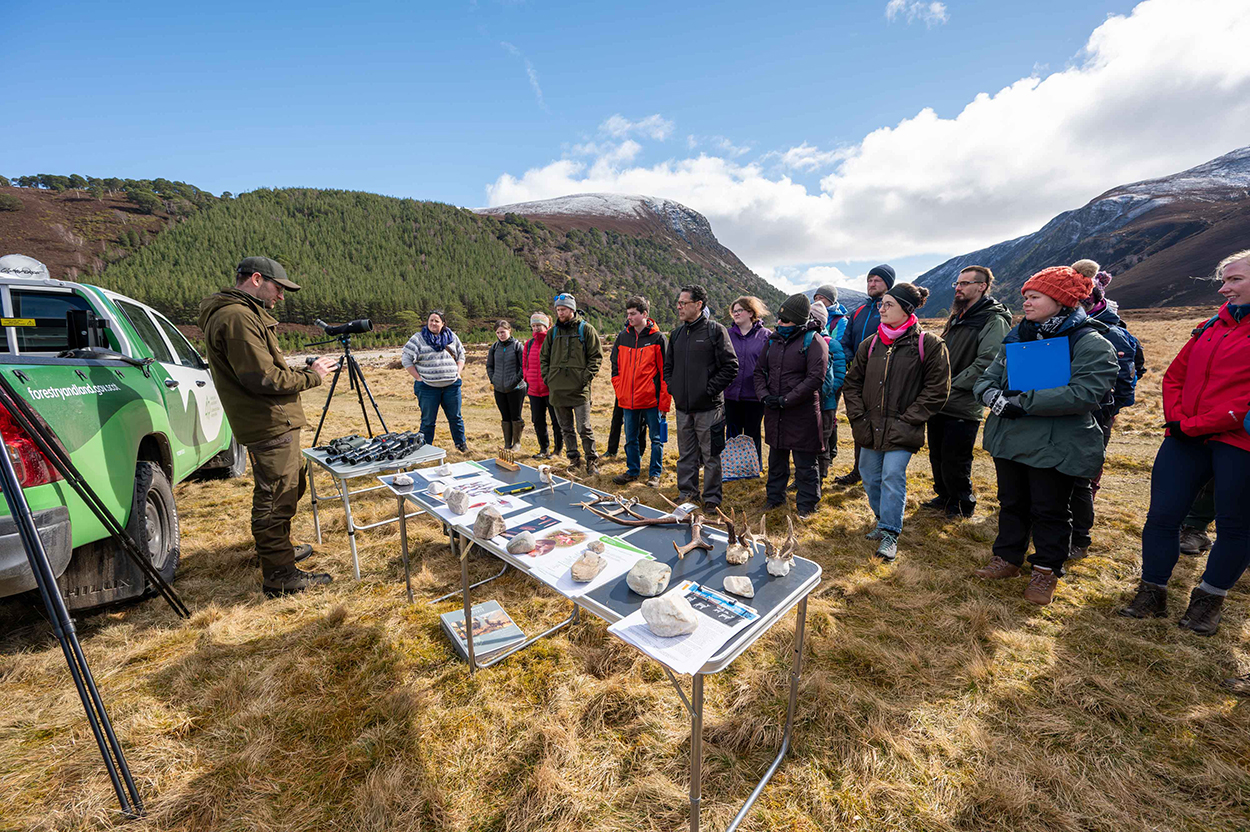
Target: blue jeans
point(1180, 471)
point(633, 453)
point(885, 479)
point(430, 399)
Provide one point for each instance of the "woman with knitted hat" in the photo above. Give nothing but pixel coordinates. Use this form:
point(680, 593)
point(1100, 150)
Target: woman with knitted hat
point(1043, 440)
point(539, 395)
point(900, 377)
point(1206, 391)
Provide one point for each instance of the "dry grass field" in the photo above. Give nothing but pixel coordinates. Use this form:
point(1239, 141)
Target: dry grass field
point(930, 700)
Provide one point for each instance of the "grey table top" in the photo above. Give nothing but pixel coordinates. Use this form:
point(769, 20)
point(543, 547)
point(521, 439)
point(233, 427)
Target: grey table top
point(422, 455)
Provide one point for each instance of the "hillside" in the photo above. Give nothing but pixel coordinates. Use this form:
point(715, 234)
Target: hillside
point(1157, 237)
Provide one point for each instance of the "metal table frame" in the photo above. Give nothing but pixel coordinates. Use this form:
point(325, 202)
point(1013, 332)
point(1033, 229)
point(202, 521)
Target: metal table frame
point(423, 455)
point(461, 537)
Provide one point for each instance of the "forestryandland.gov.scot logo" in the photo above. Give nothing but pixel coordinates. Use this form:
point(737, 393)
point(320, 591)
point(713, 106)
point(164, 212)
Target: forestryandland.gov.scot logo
point(74, 390)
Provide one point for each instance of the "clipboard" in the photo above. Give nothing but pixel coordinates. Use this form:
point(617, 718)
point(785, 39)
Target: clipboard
point(1038, 365)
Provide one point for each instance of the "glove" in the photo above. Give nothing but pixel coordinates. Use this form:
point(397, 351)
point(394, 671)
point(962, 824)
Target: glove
point(989, 396)
point(1175, 431)
point(775, 402)
point(1007, 407)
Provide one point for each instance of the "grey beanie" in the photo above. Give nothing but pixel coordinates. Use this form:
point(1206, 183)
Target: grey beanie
point(828, 291)
point(796, 309)
point(566, 300)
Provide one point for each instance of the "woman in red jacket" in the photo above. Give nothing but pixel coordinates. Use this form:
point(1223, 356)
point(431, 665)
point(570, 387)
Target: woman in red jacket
point(1206, 392)
point(538, 392)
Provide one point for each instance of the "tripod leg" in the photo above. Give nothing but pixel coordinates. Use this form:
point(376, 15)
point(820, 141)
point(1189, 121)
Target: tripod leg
point(360, 373)
point(325, 408)
point(358, 381)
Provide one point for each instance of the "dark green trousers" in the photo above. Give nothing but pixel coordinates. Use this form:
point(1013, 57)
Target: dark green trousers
point(278, 470)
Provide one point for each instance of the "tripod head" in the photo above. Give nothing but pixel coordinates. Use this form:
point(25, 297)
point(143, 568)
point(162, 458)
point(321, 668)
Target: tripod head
point(342, 332)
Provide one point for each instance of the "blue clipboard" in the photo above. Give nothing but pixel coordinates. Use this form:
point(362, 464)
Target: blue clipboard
point(1038, 365)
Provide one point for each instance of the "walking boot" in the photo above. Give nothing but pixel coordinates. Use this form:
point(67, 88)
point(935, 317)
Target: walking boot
point(887, 550)
point(1041, 588)
point(1076, 552)
point(303, 551)
point(936, 504)
point(1203, 614)
point(624, 478)
point(575, 462)
point(1194, 541)
point(997, 569)
point(1151, 601)
point(518, 429)
point(1239, 685)
point(507, 434)
point(849, 478)
point(294, 580)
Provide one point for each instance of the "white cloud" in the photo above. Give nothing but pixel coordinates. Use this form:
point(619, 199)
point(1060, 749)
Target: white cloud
point(931, 14)
point(806, 157)
point(609, 153)
point(652, 127)
point(722, 143)
point(691, 142)
point(798, 279)
point(1161, 89)
point(530, 73)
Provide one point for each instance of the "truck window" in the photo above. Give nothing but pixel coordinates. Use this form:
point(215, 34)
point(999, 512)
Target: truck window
point(35, 304)
point(147, 330)
point(187, 356)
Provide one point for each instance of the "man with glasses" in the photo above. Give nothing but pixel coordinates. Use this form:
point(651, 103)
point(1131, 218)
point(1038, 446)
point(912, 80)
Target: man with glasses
point(699, 364)
point(973, 335)
point(261, 397)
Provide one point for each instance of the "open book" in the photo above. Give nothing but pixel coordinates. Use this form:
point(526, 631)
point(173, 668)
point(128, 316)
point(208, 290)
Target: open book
point(493, 630)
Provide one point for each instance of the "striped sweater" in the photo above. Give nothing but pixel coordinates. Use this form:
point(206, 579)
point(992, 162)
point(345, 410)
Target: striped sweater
point(437, 367)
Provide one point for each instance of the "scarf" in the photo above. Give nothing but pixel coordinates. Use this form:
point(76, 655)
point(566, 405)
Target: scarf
point(787, 331)
point(438, 342)
point(1030, 331)
point(889, 335)
point(1239, 312)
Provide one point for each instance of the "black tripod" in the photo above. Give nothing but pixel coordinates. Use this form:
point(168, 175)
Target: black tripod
point(355, 381)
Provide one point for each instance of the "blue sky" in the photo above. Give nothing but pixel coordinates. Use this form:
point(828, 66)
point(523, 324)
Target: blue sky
point(765, 117)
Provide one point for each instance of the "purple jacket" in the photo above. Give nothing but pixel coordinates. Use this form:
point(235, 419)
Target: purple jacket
point(748, 347)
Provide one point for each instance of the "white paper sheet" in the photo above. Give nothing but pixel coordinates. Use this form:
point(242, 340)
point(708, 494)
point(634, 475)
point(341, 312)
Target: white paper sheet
point(719, 618)
point(557, 536)
point(458, 469)
point(558, 573)
point(481, 491)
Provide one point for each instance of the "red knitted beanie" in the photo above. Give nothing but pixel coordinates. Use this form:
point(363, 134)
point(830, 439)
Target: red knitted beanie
point(1063, 283)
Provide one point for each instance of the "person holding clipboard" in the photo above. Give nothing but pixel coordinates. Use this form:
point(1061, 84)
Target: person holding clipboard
point(1054, 372)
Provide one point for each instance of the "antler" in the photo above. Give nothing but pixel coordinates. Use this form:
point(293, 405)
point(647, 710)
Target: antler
point(790, 545)
point(635, 520)
point(696, 539)
point(729, 524)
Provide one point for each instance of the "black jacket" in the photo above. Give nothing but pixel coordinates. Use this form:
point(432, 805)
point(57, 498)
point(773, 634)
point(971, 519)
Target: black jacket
point(505, 366)
point(699, 364)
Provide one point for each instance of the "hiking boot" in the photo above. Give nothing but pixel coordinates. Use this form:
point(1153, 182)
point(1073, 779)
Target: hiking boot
point(294, 581)
point(997, 569)
point(1041, 588)
point(1239, 685)
point(1077, 552)
point(710, 509)
point(654, 482)
point(543, 454)
point(849, 478)
point(592, 467)
point(622, 479)
point(772, 506)
point(575, 462)
point(887, 550)
point(1194, 541)
point(936, 504)
point(302, 552)
point(805, 513)
point(1203, 614)
point(687, 498)
point(464, 449)
point(961, 510)
point(1151, 601)
point(875, 534)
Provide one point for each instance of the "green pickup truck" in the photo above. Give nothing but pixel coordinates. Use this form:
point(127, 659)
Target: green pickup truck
point(137, 415)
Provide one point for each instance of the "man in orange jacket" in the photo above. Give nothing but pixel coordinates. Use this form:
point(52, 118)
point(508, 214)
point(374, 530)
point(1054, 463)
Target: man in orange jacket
point(638, 378)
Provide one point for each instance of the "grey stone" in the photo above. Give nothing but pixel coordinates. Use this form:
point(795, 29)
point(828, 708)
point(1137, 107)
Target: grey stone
point(522, 544)
point(670, 615)
point(595, 546)
point(588, 567)
point(739, 585)
point(488, 524)
point(457, 500)
point(648, 577)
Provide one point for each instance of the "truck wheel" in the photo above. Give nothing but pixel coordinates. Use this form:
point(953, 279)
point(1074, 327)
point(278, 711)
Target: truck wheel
point(238, 460)
point(154, 518)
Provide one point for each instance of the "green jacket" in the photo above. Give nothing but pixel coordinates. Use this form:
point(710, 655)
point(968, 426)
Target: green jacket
point(570, 360)
point(973, 339)
point(1059, 430)
point(258, 391)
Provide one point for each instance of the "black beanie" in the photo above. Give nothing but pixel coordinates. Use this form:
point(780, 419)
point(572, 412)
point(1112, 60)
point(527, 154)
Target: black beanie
point(796, 309)
point(886, 272)
point(907, 295)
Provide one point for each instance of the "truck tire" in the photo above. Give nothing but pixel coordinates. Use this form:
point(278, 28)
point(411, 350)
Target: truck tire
point(227, 465)
point(154, 518)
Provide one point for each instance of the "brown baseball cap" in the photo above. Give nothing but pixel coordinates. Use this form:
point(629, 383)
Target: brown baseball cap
point(266, 267)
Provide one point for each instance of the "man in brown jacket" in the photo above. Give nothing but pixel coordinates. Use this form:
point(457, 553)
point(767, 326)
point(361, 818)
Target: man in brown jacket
point(260, 395)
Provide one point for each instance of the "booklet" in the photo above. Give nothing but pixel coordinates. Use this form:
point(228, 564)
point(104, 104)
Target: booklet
point(719, 618)
point(493, 630)
point(1038, 365)
point(558, 571)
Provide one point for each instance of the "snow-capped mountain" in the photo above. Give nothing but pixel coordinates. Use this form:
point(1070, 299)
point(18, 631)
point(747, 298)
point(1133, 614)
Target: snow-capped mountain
point(1155, 237)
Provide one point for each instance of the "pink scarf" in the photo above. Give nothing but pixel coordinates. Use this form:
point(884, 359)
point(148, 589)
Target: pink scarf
point(889, 335)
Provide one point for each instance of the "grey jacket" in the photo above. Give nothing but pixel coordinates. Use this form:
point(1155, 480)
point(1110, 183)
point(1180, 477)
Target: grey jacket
point(505, 366)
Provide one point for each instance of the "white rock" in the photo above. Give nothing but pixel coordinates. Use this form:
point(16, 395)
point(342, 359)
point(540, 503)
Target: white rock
point(522, 544)
point(488, 524)
point(457, 500)
point(443, 470)
point(737, 554)
point(437, 487)
point(595, 546)
point(402, 479)
point(588, 567)
point(670, 615)
point(739, 585)
point(648, 577)
point(779, 567)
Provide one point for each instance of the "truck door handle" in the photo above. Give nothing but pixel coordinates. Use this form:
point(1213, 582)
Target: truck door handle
point(200, 383)
point(171, 383)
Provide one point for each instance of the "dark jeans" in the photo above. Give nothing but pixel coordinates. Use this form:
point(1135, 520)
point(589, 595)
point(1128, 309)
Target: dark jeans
point(1033, 502)
point(636, 424)
point(1085, 491)
point(509, 405)
point(745, 417)
point(951, 441)
point(540, 408)
point(1180, 470)
point(829, 435)
point(806, 476)
point(618, 424)
point(1202, 512)
point(431, 399)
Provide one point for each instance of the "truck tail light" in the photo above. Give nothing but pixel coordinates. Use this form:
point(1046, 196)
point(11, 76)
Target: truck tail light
point(29, 463)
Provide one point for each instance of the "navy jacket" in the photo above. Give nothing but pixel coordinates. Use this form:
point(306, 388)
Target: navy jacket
point(860, 324)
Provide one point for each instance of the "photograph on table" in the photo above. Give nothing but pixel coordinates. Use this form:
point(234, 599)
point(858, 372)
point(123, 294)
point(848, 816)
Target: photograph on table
point(552, 531)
